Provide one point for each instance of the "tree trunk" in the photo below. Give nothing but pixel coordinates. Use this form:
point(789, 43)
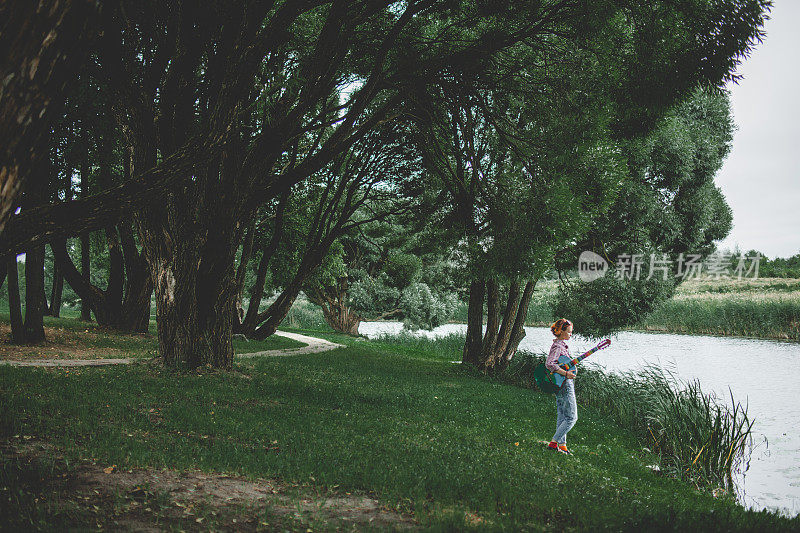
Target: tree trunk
point(493, 353)
point(116, 276)
point(17, 332)
point(241, 274)
point(93, 297)
point(333, 301)
point(190, 243)
point(86, 311)
point(35, 299)
point(472, 345)
point(343, 320)
point(518, 331)
point(58, 291)
point(272, 317)
point(256, 293)
point(492, 319)
point(135, 314)
point(193, 313)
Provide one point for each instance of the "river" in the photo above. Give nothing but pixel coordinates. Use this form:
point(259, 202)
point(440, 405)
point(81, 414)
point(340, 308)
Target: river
point(763, 374)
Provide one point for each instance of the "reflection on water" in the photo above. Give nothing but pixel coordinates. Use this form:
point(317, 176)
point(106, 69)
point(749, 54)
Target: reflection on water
point(763, 374)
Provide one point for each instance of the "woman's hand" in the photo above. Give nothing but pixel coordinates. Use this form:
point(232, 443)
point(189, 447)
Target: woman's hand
point(569, 374)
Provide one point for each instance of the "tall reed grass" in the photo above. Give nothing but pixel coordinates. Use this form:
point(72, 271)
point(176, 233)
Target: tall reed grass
point(768, 316)
point(447, 347)
point(306, 315)
point(695, 435)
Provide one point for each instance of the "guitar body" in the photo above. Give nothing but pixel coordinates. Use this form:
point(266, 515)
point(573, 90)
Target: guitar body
point(567, 363)
point(549, 381)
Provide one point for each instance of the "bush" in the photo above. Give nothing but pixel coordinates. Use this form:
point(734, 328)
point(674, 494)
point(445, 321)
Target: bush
point(423, 309)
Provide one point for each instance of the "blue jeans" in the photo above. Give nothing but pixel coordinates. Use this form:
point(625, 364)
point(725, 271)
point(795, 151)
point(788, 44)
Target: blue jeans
point(567, 411)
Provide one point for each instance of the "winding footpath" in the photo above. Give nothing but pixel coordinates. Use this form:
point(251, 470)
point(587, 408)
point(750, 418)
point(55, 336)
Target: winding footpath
point(313, 345)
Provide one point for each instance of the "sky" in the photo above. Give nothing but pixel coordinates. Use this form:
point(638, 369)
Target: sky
point(761, 177)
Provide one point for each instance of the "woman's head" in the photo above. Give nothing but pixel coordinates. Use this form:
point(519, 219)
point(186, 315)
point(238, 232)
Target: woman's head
point(562, 328)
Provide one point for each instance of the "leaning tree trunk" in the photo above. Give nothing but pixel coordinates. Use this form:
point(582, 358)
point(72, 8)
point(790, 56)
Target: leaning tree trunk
point(276, 313)
point(250, 322)
point(106, 304)
point(35, 299)
point(504, 331)
point(17, 333)
point(135, 313)
point(241, 274)
point(58, 291)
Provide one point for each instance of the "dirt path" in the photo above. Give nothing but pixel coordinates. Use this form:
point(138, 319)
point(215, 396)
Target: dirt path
point(313, 345)
point(87, 494)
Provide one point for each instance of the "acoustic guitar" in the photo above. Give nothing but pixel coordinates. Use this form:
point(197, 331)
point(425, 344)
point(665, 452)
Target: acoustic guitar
point(549, 381)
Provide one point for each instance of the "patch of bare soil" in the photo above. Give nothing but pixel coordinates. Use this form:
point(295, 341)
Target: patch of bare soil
point(145, 499)
point(59, 344)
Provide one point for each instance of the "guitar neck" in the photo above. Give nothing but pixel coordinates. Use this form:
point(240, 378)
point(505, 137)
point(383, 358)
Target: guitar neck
point(580, 358)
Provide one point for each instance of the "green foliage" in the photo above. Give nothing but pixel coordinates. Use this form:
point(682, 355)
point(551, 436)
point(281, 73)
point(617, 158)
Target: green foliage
point(668, 204)
point(402, 269)
point(382, 268)
point(424, 309)
point(608, 304)
point(780, 267)
point(372, 295)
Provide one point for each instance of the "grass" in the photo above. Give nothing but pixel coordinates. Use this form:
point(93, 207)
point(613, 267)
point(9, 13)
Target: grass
point(695, 436)
point(457, 450)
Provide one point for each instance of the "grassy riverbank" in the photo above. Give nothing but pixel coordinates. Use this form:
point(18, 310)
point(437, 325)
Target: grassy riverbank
point(438, 446)
point(696, 437)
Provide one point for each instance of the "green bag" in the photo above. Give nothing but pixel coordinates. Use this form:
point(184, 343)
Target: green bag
point(544, 379)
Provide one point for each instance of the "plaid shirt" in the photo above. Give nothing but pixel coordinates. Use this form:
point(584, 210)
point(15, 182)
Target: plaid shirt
point(558, 349)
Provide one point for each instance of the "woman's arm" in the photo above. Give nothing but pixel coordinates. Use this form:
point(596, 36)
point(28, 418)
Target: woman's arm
point(552, 359)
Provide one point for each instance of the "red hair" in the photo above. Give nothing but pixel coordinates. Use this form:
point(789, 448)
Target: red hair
point(559, 326)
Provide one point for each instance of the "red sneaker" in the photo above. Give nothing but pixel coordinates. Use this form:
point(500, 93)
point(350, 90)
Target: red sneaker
point(563, 449)
point(553, 445)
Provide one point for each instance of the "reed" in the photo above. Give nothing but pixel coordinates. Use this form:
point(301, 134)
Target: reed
point(305, 315)
point(446, 347)
point(763, 315)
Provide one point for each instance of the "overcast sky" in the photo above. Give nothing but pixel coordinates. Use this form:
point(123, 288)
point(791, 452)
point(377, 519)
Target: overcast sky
point(761, 177)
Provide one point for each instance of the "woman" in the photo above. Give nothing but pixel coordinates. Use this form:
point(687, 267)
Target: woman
point(566, 406)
